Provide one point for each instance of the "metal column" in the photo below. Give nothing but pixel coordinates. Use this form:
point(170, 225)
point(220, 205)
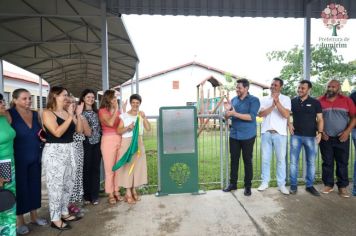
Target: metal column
point(41, 92)
point(104, 47)
point(1, 78)
point(104, 64)
point(307, 53)
point(137, 77)
point(306, 61)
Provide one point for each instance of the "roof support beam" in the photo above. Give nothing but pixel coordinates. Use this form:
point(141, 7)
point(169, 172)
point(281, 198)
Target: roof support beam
point(104, 47)
point(307, 31)
point(1, 78)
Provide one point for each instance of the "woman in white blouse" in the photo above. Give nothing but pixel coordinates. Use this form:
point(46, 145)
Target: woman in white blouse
point(134, 173)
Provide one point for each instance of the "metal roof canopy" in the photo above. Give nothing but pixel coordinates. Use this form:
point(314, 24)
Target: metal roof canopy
point(61, 40)
point(242, 8)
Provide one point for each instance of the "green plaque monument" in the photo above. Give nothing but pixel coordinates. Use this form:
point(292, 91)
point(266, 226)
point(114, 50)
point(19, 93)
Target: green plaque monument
point(178, 152)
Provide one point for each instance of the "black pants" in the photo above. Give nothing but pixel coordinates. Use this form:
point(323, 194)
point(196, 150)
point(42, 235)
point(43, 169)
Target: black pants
point(235, 151)
point(334, 150)
point(91, 171)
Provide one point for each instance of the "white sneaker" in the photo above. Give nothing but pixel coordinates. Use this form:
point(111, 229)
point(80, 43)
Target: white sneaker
point(284, 190)
point(263, 187)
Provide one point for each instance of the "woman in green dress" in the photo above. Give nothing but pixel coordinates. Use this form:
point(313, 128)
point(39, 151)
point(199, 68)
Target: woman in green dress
point(7, 135)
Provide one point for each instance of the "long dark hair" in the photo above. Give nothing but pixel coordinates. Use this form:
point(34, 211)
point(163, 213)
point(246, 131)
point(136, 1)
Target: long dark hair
point(51, 100)
point(106, 99)
point(84, 93)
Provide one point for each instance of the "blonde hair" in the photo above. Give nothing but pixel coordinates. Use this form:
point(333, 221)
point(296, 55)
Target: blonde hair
point(16, 94)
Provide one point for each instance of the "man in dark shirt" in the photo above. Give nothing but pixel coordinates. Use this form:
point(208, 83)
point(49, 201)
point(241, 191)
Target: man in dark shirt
point(305, 131)
point(353, 97)
point(339, 120)
point(243, 111)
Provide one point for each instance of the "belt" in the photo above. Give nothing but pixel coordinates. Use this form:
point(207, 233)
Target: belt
point(272, 131)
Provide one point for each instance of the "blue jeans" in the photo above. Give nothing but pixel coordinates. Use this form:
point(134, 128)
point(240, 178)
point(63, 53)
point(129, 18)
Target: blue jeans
point(279, 143)
point(354, 139)
point(310, 147)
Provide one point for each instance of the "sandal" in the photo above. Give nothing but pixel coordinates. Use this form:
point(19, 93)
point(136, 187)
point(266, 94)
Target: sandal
point(112, 200)
point(136, 197)
point(129, 199)
point(118, 197)
point(40, 222)
point(62, 227)
point(23, 229)
point(73, 209)
point(71, 218)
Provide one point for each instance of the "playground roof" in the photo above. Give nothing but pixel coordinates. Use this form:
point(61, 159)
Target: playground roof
point(263, 86)
point(60, 40)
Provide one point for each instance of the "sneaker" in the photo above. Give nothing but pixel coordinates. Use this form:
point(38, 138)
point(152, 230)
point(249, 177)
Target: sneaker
point(312, 191)
point(343, 192)
point(293, 189)
point(283, 190)
point(263, 187)
point(327, 189)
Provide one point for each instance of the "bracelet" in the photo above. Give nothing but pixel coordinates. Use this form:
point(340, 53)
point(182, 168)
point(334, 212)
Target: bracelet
point(320, 132)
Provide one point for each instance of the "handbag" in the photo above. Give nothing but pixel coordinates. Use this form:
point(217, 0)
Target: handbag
point(8, 200)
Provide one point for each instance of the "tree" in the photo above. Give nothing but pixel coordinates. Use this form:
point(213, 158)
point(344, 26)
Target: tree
point(325, 65)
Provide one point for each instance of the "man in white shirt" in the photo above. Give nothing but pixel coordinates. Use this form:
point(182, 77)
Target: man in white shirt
point(275, 111)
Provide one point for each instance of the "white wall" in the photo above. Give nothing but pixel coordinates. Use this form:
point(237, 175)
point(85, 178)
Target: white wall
point(158, 91)
point(11, 84)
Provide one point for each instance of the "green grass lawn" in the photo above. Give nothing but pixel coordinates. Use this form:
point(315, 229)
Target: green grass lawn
point(210, 163)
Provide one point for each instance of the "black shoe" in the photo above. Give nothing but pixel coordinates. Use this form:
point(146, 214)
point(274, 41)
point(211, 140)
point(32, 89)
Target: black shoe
point(293, 189)
point(63, 226)
point(230, 188)
point(71, 218)
point(247, 191)
point(313, 191)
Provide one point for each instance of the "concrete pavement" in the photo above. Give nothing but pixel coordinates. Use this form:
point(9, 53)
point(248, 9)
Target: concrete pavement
point(217, 213)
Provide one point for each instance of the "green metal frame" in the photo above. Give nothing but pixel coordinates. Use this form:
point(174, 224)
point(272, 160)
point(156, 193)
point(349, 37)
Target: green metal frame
point(178, 171)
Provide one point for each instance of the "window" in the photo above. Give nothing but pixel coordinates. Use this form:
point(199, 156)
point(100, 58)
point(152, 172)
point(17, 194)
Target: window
point(175, 84)
point(7, 99)
point(44, 102)
point(33, 104)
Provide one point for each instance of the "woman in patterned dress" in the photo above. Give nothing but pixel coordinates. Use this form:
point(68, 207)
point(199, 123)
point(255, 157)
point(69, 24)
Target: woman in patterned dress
point(58, 158)
point(77, 194)
point(7, 135)
point(92, 153)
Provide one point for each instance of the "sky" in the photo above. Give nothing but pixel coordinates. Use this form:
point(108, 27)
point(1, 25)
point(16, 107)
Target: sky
point(233, 44)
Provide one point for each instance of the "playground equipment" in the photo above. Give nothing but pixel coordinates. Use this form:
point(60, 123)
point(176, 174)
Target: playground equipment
point(209, 105)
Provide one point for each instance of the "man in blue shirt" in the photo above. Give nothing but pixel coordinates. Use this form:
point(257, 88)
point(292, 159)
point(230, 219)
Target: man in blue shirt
point(242, 110)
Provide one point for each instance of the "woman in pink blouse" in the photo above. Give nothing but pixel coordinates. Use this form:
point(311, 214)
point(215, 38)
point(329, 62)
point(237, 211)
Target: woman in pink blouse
point(109, 116)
